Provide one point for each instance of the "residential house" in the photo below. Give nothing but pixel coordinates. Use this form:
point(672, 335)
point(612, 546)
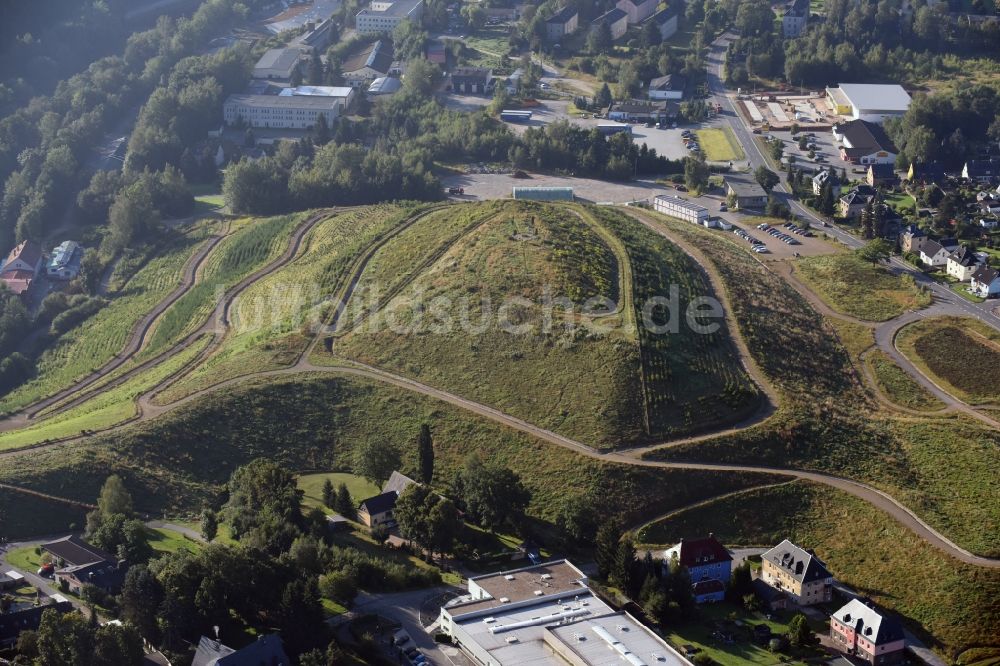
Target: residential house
point(107, 575)
point(880, 174)
point(988, 224)
point(912, 238)
point(865, 142)
point(616, 20)
point(637, 10)
point(666, 19)
point(397, 483)
point(562, 23)
point(27, 617)
point(861, 630)
point(278, 64)
point(372, 62)
point(933, 254)
point(385, 85)
point(929, 172)
point(73, 551)
point(852, 204)
point(471, 80)
point(669, 87)
point(378, 510)
point(643, 111)
point(26, 256)
point(64, 264)
point(795, 19)
point(982, 171)
point(705, 559)
point(985, 282)
point(316, 37)
point(798, 572)
point(771, 598)
point(267, 650)
point(962, 263)
point(708, 591)
point(747, 192)
point(822, 178)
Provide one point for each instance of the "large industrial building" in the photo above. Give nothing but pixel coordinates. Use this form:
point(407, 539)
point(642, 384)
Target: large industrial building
point(385, 15)
point(868, 101)
point(282, 111)
point(546, 615)
point(865, 142)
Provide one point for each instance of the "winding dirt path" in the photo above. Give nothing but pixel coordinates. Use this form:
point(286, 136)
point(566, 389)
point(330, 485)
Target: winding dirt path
point(303, 367)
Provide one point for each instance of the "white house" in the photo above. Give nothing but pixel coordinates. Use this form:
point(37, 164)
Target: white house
point(795, 19)
point(962, 263)
point(64, 263)
point(988, 224)
point(637, 10)
point(681, 209)
point(820, 179)
point(670, 87)
point(932, 253)
point(985, 282)
point(666, 20)
point(616, 20)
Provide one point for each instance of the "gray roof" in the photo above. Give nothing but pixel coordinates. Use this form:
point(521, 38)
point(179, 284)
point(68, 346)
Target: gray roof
point(869, 622)
point(931, 247)
point(798, 8)
point(745, 187)
point(320, 103)
point(265, 651)
point(398, 483)
point(865, 138)
point(668, 82)
point(800, 564)
point(985, 274)
point(380, 503)
point(281, 59)
point(673, 9)
point(876, 96)
point(964, 257)
point(640, 106)
point(75, 551)
point(378, 56)
point(610, 17)
point(563, 15)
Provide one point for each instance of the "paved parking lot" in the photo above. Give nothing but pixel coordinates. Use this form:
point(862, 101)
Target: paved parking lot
point(826, 147)
point(778, 249)
point(499, 186)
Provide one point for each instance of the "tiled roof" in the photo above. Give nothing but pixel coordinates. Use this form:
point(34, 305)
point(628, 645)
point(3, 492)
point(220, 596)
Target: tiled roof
point(380, 503)
point(699, 552)
point(800, 564)
point(75, 551)
point(869, 623)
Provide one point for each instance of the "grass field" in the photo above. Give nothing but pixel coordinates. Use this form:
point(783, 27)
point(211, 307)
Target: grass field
point(890, 564)
point(311, 486)
point(898, 386)
point(105, 409)
point(856, 288)
point(961, 355)
point(173, 465)
point(579, 380)
point(855, 337)
point(826, 421)
point(719, 145)
point(25, 558)
point(163, 540)
point(97, 340)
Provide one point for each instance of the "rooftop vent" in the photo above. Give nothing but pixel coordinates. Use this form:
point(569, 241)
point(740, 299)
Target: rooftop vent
point(546, 576)
point(512, 639)
point(509, 577)
point(538, 593)
point(504, 600)
point(490, 620)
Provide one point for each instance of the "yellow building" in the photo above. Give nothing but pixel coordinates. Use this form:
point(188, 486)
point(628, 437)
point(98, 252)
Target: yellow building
point(798, 573)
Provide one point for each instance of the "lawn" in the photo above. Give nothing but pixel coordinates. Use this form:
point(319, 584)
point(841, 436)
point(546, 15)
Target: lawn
point(311, 486)
point(856, 288)
point(25, 558)
point(97, 340)
point(168, 541)
point(902, 203)
point(710, 618)
point(863, 548)
point(898, 386)
point(961, 355)
point(719, 145)
point(855, 337)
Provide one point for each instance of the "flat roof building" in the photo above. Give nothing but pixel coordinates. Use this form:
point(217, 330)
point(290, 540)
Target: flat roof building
point(281, 111)
point(869, 101)
point(384, 16)
point(547, 616)
point(277, 64)
point(543, 193)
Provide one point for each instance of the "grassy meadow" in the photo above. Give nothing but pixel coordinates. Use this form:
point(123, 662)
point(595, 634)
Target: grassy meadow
point(961, 355)
point(898, 386)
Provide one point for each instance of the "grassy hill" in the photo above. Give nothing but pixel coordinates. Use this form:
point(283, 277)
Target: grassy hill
point(593, 375)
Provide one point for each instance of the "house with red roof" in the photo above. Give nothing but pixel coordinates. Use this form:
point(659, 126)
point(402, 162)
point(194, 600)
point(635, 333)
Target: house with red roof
point(19, 269)
point(708, 563)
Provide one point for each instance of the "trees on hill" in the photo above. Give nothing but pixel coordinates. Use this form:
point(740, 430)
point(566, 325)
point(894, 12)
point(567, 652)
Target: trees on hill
point(425, 449)
point(491, 494)
point(426, 518)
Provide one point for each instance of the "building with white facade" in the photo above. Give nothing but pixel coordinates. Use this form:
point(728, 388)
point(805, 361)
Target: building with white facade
point(795, 19)
point(385, 15)
point(281, 111)
point(637, 10)
point(546, 615)
point(868, 101)
point(865, 142)
point(681, 209)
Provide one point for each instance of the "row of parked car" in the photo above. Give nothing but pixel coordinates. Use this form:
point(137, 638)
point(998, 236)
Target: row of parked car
point(755, 244)
point(690, 141)
point(401, 639)
point(779, 234)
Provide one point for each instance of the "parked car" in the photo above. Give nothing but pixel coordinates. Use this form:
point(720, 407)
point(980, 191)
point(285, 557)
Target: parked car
point(723, 207)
